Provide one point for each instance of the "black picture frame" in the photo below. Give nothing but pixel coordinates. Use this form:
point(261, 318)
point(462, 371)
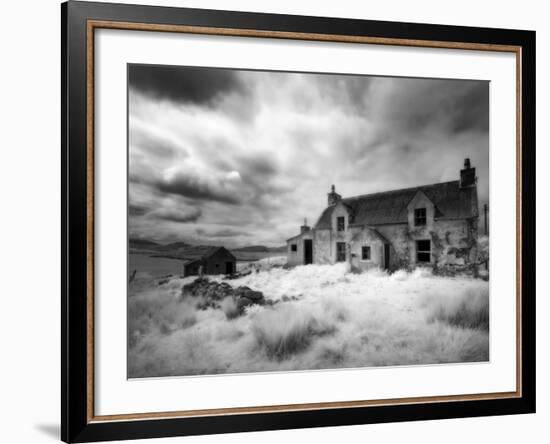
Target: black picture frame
point(77, 425)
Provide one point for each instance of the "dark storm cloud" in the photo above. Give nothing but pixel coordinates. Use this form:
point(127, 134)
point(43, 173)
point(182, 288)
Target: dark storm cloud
point(259, 166)
point(196, 85)
point(221, 179)
point(472, 109)
point(416, 105)
point(178, 215)
point(137, 210)
point(349, 91)
point(197, 187)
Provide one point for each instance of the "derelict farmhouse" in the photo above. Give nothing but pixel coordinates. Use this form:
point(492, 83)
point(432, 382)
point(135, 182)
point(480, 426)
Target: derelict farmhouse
point(433, 225)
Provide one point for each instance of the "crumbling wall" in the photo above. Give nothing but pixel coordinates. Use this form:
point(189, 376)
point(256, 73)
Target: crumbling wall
point(360, 237)
point(455, 246)
point(397, 236)
point(322, 247)
point(453, 242)
point(297, 257)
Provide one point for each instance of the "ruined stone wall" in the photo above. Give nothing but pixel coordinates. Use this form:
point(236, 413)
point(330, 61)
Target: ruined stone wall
point(397, 236)
point(359, 238)
point(322, 247)
point(324, 244)
point(297, 257)
point(453, 243)
point(294, 257)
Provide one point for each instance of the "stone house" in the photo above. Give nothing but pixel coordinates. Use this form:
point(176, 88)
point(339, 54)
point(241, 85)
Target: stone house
point(431, 225)
point(215, 260)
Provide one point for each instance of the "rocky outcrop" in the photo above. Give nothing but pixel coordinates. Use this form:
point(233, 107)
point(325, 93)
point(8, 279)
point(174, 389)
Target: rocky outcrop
point(211, 294)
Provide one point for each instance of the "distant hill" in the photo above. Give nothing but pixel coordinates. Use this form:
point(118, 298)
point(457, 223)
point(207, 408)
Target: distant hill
point(257, 252)
point(185, 251)
point(174, 250)
point(174, 246)
point(254, 248)
point(142, 243)
point(260, 249)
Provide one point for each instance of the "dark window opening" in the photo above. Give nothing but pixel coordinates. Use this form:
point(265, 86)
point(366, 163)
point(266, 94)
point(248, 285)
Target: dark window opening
point(340, 251)
point(293, 247)
point(341, 223)
point(423, 251)
point(365, 253)
point(217, 265)
point(419, 217)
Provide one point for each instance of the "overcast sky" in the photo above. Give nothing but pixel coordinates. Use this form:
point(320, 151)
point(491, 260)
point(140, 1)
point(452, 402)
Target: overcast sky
point(236, 158)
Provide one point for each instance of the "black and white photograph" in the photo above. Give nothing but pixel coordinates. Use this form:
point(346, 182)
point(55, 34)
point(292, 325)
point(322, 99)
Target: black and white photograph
point(297, 221)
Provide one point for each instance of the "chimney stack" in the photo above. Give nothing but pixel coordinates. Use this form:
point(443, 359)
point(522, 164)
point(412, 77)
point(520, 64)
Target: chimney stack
point(304, 227)
point(467, 175)
point(333, 196)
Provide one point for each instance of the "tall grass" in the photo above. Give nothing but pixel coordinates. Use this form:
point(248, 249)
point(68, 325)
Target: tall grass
point(283, 331)
point(470, 309)
point(322, 318)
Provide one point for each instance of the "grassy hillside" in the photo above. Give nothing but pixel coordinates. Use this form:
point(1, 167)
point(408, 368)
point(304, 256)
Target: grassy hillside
point(318, 317)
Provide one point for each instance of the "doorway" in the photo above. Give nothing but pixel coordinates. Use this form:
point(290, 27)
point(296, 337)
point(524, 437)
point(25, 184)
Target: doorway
point(340, 251)
point(386, 256)
point(229, 268)
point(308, 251)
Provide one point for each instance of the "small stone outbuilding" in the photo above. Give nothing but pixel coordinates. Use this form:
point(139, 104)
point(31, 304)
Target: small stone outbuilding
point(215, 260)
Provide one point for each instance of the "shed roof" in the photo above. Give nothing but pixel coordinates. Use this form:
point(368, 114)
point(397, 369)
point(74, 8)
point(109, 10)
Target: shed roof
point(390, 207)
point(207, 253)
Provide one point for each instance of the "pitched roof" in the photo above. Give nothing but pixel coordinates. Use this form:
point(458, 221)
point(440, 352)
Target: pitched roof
point(206, 253)
point(390, 207)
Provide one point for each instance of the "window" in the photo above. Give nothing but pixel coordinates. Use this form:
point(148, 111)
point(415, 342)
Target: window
point(340, 251)
point(423, 251)
point(293, 247)
point(341, 223)
point(419, 217)
point(365, 253)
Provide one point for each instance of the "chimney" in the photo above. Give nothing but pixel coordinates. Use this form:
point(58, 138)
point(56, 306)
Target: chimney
point(304, 227)
point(333, 197)
point(467, 175)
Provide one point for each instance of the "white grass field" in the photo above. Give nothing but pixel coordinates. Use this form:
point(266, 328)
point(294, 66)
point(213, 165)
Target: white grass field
point(322, 317)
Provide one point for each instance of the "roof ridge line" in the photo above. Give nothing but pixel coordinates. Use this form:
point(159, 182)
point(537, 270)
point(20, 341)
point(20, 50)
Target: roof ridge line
point(397, 191)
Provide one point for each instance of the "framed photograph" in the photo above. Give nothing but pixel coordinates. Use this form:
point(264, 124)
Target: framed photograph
point(275, 221)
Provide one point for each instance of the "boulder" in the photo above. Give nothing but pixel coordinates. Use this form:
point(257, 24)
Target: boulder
point(243, 302)
point(253, 295)
point(212, 293)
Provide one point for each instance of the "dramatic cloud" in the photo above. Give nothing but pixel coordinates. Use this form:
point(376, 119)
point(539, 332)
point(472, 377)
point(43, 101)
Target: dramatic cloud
point(189, 85)
point(137, 210)
point(206, 187)
point(177, 215)
point(235, 157)
point(418, 105)
point(153, 144)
